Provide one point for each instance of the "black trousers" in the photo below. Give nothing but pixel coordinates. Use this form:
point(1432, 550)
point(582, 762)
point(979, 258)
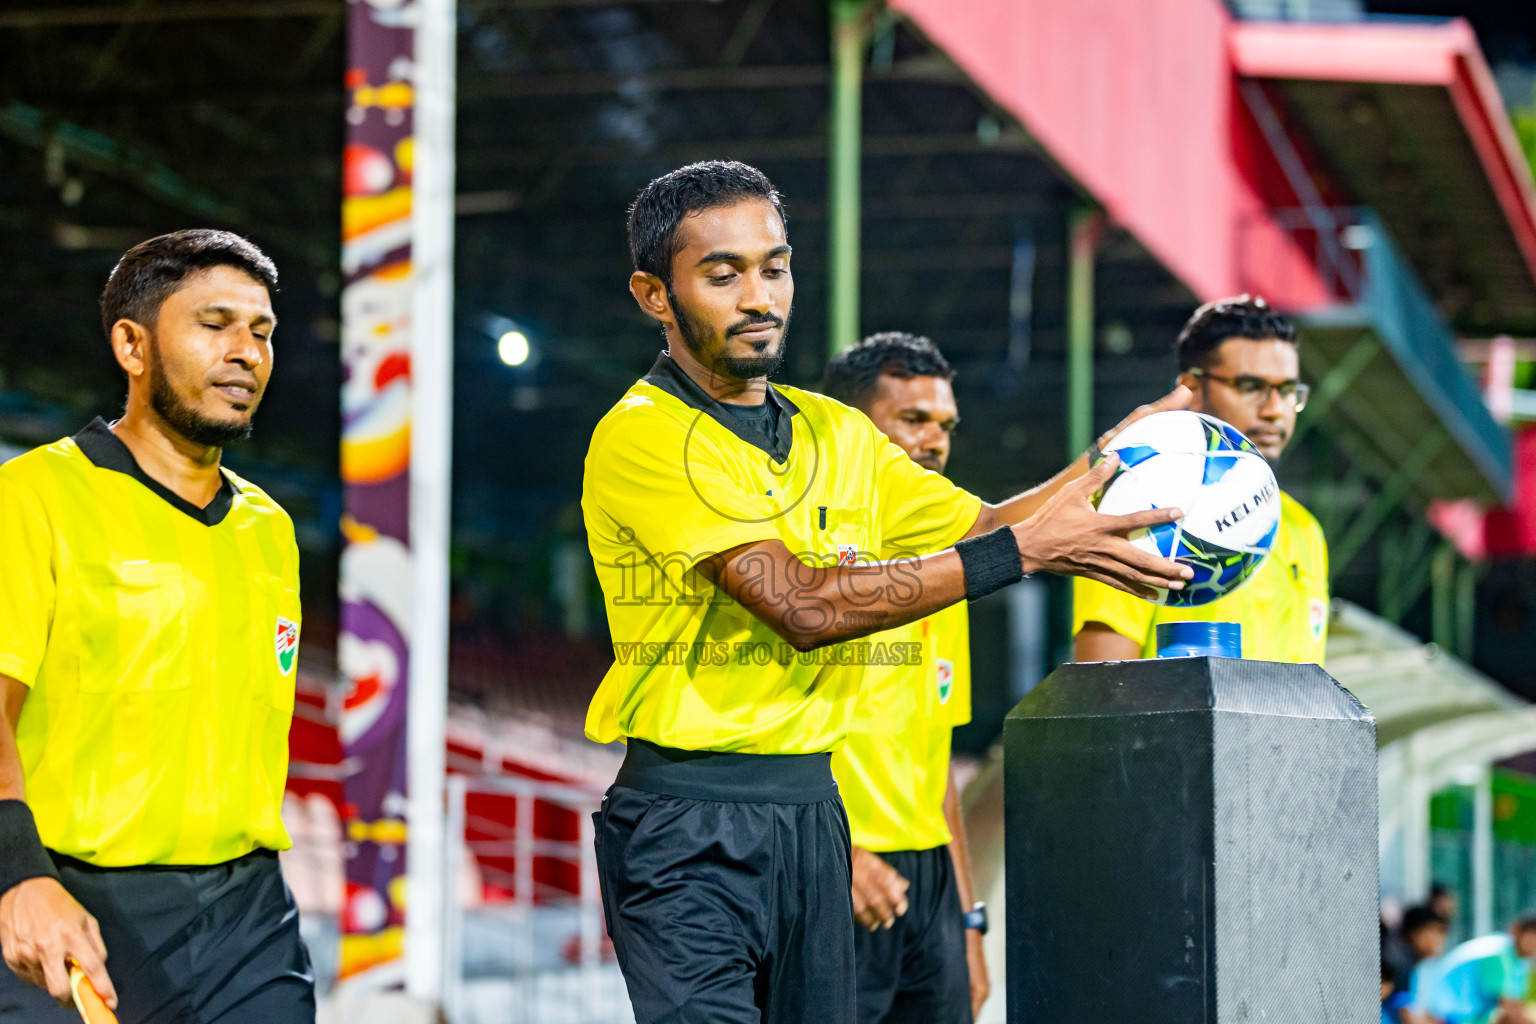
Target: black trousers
point(915, 972)
point(726, 885)
point(207, 945)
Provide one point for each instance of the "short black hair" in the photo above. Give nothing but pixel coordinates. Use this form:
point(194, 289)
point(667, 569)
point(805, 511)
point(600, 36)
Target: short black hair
point(149, 272)
point(1388, 972)
point(852, 375)
point(1244, 316)
point(1415, 918)
point(659, 209)
point(1526, 923)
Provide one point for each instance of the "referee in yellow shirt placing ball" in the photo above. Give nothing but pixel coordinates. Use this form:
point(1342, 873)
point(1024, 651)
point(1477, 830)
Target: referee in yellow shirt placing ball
point(919, 952)
point(149, 627)
point(1239, 358)
point(749, 538)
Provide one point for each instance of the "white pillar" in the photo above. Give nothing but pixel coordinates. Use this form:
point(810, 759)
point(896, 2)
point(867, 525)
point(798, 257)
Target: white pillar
point(431, 479)
point(1028, 637)
point(456, 857)
point(1416, 839)
point(1482, 854)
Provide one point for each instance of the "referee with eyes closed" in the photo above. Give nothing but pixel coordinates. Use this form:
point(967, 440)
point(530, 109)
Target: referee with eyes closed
point(747, 536)
point(149, 626)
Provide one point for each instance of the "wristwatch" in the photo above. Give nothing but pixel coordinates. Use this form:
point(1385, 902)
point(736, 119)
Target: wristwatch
point(976, 918)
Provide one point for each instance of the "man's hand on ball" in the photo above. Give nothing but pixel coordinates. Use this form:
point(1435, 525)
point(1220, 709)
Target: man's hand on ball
point(1178, 398)
point(1069, 537)
point(879, 891)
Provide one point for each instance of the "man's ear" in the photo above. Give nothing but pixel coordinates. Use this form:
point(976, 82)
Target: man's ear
point(651, 294)
point(130, 347)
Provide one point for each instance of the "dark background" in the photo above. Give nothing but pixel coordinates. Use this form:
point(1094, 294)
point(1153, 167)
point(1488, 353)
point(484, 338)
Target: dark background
point(566, 110)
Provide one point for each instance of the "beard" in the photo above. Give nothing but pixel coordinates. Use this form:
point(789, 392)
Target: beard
point(184, 419)
point(697, 337)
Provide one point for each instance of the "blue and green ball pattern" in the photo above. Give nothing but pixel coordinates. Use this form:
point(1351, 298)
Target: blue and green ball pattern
point(1218, 570)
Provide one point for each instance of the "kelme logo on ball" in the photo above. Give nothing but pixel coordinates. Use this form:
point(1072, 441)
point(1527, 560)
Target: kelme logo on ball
point(946, 679)
point(286, 644)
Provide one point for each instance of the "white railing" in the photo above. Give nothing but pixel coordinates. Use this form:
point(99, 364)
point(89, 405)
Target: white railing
point(511, 962)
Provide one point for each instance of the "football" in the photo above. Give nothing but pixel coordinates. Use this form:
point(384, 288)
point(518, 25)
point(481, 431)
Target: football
point(1226, 489)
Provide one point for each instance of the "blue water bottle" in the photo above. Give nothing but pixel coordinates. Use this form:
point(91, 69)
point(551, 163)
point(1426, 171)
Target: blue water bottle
point(1199, 640)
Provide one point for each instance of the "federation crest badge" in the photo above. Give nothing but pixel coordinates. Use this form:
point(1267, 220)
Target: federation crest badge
point(1317, 619)
point(847, 554)
point(286, 643)
point(946, 679)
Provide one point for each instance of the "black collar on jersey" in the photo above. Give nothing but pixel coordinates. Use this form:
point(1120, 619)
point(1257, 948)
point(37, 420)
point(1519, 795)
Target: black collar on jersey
point(107, 451)
point(671, 378)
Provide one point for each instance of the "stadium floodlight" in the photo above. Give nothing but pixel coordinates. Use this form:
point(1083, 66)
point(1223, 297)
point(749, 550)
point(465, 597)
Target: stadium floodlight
point(513, 348)
point(1357, 237)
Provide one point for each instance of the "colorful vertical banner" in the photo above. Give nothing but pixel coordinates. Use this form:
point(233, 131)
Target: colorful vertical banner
point(374, 649)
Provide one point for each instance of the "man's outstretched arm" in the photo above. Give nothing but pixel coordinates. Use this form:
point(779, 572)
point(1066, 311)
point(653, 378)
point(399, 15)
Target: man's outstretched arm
point(42, 926)
point(1021, 506)
point(813, 606)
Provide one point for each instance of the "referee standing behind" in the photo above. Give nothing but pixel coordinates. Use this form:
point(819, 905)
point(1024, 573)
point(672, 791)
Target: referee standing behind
point(744, 534)
point(149, 622)
point(1238, 356)
point(919, 952)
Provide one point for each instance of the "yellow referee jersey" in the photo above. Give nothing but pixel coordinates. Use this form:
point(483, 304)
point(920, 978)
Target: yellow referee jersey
point(159, 641)
point(1283, 608)
point(672, 478)
point(894, 769)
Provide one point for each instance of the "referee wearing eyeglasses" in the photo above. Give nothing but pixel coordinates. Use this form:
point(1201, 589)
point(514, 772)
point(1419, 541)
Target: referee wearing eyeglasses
point(1239, 358)
point(149, 627)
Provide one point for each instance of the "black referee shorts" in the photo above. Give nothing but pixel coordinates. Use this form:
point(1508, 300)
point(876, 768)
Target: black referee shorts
point(214, 945)
point(915, 972)
point(726, 885)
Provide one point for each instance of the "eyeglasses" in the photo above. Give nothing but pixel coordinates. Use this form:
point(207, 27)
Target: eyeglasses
point(1255, 391)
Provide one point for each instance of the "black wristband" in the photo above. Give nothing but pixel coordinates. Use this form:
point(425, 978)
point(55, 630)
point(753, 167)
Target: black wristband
point(976, 918)
point(22, 855)
point(991, 562)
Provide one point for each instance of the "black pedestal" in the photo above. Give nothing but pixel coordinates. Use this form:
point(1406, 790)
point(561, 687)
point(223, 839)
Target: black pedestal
point(1191, 841)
